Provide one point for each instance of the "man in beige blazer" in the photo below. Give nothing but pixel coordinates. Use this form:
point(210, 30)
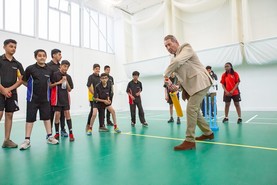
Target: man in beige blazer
point(195, 82)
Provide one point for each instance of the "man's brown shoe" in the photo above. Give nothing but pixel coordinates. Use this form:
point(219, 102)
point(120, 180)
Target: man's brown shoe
point(185, 146)
point(9, 144)
point(204, 137)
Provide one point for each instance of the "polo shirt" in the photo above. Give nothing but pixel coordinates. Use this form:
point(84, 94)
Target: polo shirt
point(38, 81)
point(9, 71)
point(55, 67)
point(93, 80)
point(134, 87)
point(103, 93)
point(229, 81)
point(60, 96)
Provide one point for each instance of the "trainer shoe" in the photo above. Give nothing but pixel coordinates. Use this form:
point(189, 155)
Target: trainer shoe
point(25, 145)
point(64, 133)
point(109, 123)
point(133, 124)
point(9, 144)
point(178, 121)
point(145, 124)
point(52, 140)
point(117, 130)
point(71, 137)
point(103, 129)
point(171, 120)
point(204, 137)
point(239, 121)
point(89, 132)
point(87, 127)
point(57, 136)
point(225, 120)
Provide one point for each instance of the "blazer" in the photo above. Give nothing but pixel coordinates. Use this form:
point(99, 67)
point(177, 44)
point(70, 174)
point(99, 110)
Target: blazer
point(189, 70)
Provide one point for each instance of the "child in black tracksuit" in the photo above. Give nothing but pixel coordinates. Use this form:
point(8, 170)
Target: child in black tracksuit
point(134, 89)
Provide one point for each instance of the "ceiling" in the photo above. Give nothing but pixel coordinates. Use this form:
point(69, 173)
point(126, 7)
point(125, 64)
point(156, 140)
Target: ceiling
point(135, 6)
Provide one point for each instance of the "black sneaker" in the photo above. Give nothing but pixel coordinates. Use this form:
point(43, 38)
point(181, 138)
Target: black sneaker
point(145, 124)
point(178, 121)
point(133, 124)
point(239, 121)
point(225, 120)
point(109, 123)
point(171, 120)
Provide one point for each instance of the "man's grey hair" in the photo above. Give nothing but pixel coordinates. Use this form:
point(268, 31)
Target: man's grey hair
point(171, 37)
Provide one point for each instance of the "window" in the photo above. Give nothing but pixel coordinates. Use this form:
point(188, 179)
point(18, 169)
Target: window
point(1, 14)
point(102, 33)
point(75, 24)
point(65, 28)
point(27, 17)
point(86, 29)
point(60, 21)
point(64, 6)
point(54, 4)
point(42, 19)
point(94, 30)
point(110, 35)
point(54, 25)
point(12, 17)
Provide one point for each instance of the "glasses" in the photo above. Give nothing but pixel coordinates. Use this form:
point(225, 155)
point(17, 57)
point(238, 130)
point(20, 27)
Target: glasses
point(226, 66)
point(104, 77)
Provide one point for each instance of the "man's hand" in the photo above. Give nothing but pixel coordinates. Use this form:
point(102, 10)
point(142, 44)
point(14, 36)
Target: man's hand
point(173, 88)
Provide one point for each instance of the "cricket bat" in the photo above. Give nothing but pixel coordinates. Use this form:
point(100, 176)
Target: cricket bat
point(176, 104)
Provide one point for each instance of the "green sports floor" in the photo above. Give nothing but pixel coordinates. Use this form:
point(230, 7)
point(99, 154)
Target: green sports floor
point(239, 154)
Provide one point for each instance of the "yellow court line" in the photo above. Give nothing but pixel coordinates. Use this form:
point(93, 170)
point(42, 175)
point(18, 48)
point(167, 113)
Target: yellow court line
point(206, 142)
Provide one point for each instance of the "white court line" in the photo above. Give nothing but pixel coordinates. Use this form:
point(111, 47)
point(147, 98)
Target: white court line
point(220, 117)
point(251, 118)
point(260, 123)
point(268, 118)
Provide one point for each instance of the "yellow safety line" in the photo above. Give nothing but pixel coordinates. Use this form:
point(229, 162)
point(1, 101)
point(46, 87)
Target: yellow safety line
point(206, 142)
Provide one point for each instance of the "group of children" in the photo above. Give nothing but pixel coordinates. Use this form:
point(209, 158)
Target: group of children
point(48, 87)
point(100, 90)
point(100, 93)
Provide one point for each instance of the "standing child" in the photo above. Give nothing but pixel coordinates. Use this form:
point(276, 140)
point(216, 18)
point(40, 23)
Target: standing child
point(93, 80)
point(107, 70)
point(103, 91)
point(134, 89)
point(174, 80)
point(230, 81)
point(211, 93)
point(54, 64)
point(37, 79)
point(10, 79)
point(60, 100)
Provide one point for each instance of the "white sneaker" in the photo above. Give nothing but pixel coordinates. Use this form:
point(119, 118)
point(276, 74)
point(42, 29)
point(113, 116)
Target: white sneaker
point(52, 140)
point(25, 145)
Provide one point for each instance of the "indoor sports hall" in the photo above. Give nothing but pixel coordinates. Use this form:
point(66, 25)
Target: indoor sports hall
point(131, 58)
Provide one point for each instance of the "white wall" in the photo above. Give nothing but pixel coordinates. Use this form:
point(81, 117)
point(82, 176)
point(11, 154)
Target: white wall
point(216, 27)
point(81, 61)
point(258, 89)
